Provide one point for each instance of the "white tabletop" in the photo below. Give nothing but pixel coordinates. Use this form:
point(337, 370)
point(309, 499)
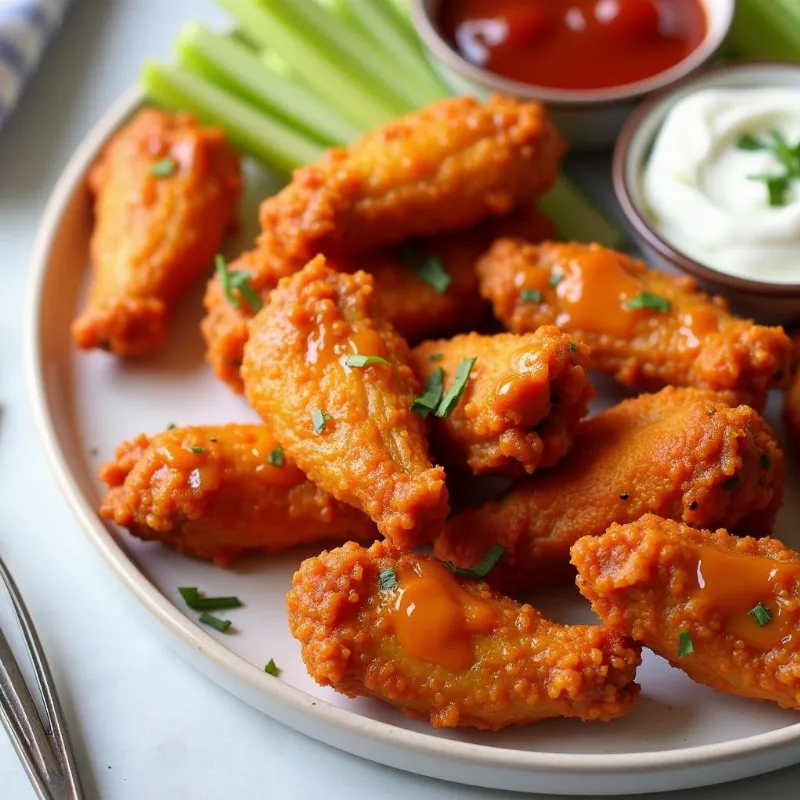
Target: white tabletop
point(145, 725)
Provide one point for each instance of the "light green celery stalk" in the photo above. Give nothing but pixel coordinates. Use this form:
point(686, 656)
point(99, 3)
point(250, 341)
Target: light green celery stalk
point(263, 25)
point(249, 129)
point(232, 65)
point(767, 29)
point(402, 12)
point(379, 23)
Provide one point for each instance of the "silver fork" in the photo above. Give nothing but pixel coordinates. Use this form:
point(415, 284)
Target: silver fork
point(44, 749)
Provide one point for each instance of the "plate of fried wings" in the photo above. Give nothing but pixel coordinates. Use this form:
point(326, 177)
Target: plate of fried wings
point(394, 464)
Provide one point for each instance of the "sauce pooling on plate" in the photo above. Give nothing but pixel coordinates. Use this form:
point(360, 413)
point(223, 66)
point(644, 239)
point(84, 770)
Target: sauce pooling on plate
point(575, 44)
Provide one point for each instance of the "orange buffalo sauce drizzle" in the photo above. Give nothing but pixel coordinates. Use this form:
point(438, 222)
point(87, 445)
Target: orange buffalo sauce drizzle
point(326, 345)
point(697, 323)
point(734, 583)
point(593, 293)
point(203, 470)
point(434, 617)
point(524, 394)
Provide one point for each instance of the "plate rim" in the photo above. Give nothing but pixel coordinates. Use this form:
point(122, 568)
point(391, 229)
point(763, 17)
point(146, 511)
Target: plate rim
point(174, 622)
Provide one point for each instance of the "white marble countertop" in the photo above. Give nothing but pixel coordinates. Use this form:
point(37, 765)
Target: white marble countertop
point(144, 723)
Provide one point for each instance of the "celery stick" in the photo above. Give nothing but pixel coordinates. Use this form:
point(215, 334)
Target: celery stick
point(763, 29)
point(362, 55)
point(578, 218)
point(233, 66)
point(402, 13)
point(375, 21)
point(322, 70)
point(249, 129)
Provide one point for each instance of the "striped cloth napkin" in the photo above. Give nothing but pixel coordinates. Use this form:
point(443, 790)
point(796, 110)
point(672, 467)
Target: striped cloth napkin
point(25, 27)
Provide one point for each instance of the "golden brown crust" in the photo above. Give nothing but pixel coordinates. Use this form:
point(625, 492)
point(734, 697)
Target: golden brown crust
point(642, 578)
point(520, 408)
point(696, 342)
point(791, 400)
point(371, 450)
point(526, 668)
point(153, 236)
point(225, 499)
point(681, 453)
point(439, 169)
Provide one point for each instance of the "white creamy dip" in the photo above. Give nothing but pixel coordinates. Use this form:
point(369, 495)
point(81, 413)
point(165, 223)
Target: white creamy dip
point(697, 186)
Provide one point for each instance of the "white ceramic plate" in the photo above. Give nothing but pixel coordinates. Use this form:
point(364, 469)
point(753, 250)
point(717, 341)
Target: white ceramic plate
point(680, 735)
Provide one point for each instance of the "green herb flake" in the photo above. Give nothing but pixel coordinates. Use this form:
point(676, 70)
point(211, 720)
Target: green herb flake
point(276, 457)
point(192, 598)
point(358, 360)
point(761, 614)
point(685, 646)
point(788, 157)
point(554, 280)
point(650, 302)
point(765, 461)
point(196, 449)
point(572, 347)
point(530, 296)
point(171, 426)
point(216, 623)
point(163, 168)
point(237, 280)
point(749, 142)
point(428, 268)
point(189, 594)
point(387, 578)
point(435, 356)
point(453, 395)
point(429, 400)
point(319, 419)
point(483, 567)
point(271, 668)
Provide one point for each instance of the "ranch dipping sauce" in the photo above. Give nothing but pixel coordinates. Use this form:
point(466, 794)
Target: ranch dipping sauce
point(722, 184)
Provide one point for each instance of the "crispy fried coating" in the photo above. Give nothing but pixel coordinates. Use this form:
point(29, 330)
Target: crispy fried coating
point(681, 453)
point(211, 492)
point(673, 334)
point(674, 588)
point(165, 193)
point(791, 401)
point(439, 169)
point(450, 650)
point(524, 399)
point(349, 427)
point(414, 307)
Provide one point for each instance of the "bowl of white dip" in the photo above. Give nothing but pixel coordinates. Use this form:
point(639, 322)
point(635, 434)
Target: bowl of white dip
point(708, 174)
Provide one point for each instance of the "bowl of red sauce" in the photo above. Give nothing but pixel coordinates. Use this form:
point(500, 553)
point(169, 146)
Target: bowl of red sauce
point(590, 61)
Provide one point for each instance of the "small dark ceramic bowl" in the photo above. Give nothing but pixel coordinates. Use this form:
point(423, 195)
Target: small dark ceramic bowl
point(587, 119)
point(767, 301)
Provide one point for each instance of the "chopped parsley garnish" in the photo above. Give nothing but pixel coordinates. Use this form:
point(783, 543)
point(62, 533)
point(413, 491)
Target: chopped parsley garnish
point(163, 168)
point(435, 356)
point(685, 646)
point(651, 302)
point(218, 624)
point(276, 457)
point(319, 419)
point(171, 426)
point(429, 400)
point(731, 483)
point(237, 280)
point(483, 567)
point(453, 395)
point(192, 598)
point(429, 269)
point(554, 280)
point(761, 614)
point(765, 461)
point(358, 360)
point(787, 156)
point(572, 347)
point(196, 449)
point(530, 296)
point(271, 668)
point(387, 578)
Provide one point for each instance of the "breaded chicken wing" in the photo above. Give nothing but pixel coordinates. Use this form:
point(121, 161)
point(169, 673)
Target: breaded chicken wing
point(725, 610)
point(165, 193)
point(681, 453)
point(401, 628)
point(439, 169)
point(791, 401)
point(217, 491)
point(411, 304)
point(332, 377)
point(646, 328)
point(525, 396)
